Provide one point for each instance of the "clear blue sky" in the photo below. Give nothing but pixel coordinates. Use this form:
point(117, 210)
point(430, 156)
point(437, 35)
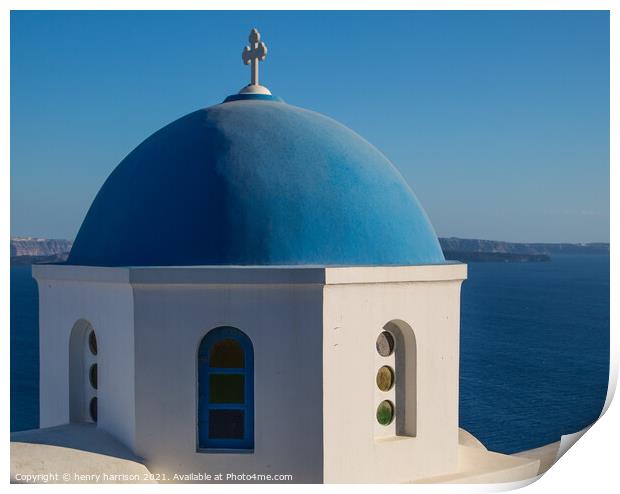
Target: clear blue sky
point(499, 121)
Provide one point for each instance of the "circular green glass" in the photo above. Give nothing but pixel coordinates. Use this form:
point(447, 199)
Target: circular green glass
point(385, 344)
point(385, 378)
point(385, 412)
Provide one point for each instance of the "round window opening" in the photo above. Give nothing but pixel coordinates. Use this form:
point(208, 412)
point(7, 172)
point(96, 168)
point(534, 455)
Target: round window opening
point(92, 343)
point(92, 375)
point(93, 409)
point(385, 378)
point(385, 344)
point(385, 412)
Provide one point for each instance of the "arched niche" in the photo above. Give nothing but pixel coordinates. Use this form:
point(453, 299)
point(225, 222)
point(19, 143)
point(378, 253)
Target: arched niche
point(83, 373)
point(406, 377)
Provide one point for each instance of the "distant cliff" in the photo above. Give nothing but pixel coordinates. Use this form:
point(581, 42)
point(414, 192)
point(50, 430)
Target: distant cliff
point(30, 246)
point(29, 250)
point(472, 250)
point(462, 256)
point(474, 245)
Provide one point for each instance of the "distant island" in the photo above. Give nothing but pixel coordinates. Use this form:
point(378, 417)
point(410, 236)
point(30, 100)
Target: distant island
point(478, 256)
point(33, 250)
point(474, 250)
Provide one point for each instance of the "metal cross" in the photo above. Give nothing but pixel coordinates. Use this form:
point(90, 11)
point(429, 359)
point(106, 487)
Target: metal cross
point(253, 53)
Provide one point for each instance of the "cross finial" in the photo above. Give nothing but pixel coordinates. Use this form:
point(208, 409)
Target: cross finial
point(257, 51)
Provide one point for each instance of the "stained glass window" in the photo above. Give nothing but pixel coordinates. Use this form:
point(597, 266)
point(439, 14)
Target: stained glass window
point(225, 390)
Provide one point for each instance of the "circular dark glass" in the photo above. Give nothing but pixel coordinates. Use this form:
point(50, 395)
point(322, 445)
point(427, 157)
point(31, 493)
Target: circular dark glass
point(385, 412)
point(93, 409)
point(385, 378)
point(385, 344)
point(92, 343)
point(92, 375)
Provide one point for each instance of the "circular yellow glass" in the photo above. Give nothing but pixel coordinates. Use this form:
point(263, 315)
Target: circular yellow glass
point(385, 378)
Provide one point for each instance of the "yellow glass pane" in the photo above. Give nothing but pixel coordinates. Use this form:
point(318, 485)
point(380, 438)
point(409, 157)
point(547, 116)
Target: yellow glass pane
point(226, 353)
point(385, 378)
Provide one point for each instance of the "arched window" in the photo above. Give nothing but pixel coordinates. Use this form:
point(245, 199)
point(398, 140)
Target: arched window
point(83, 381)
point(396, 380)
point(225, 390)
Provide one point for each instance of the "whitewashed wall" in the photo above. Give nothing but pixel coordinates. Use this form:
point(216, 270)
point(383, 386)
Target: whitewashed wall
point(284, 323)
point(356, 308)
point(313, 332)
point(103, 297)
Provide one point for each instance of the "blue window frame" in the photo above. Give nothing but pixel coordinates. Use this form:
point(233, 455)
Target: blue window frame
point(225, 390)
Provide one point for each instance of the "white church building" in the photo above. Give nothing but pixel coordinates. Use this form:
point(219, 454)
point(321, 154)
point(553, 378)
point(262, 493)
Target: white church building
point(256, 289)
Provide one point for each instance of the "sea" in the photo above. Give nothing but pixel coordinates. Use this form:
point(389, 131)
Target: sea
point(534, 349)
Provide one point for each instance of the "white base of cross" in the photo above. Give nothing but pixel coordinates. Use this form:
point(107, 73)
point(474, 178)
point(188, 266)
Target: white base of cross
point(254, 89)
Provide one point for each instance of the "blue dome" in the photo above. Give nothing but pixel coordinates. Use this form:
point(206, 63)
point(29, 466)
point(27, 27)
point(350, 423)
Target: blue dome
point(255, 181)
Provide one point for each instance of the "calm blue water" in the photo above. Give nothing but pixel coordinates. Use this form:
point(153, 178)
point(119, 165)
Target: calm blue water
point(24, 350)
point(534, 350)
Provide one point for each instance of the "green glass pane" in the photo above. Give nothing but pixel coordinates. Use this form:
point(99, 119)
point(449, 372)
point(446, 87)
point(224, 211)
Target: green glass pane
point(385, 378)
point(226, 353)
point(226, 388)
point(385, 412)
